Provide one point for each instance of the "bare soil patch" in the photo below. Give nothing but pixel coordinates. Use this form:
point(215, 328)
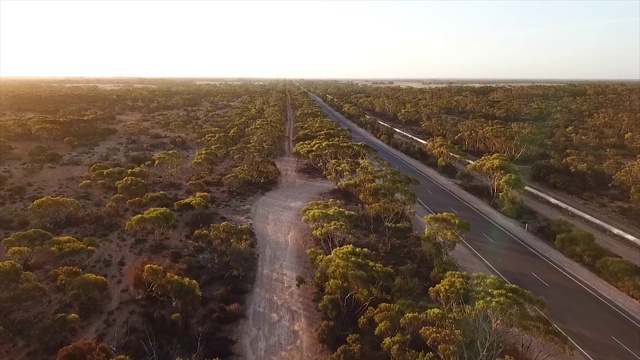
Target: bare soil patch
point(281, 317)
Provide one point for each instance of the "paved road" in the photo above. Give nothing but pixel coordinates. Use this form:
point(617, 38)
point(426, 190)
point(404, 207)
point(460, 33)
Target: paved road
point(598, 328)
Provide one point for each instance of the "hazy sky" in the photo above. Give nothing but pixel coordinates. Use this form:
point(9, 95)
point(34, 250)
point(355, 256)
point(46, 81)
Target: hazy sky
point(437, 39)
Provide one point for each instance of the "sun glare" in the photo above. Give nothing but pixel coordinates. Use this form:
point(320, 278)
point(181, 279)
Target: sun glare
point(316, 39)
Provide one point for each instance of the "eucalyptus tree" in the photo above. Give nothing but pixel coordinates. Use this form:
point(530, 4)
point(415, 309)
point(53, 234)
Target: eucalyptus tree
point(170, 162)
point(349, 280)
point(446, 230)
point(445, 152)
point(153, 221)
point(182, 291)
point(47, 133)
point(503, 178)
point(54, 211)
point(629, 179)
point(330, 223)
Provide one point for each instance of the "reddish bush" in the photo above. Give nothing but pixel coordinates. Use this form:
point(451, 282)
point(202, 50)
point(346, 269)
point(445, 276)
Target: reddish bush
point(85, 350)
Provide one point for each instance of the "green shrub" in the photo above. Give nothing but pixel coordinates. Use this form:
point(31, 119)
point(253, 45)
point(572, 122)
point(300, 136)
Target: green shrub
point(616, 269)
point(132, 187)
point(621, 273)
point(98, 167)
point(52, 157)
point(196, 186)
point(580, 246)
point(465, 176)
point(559, 226)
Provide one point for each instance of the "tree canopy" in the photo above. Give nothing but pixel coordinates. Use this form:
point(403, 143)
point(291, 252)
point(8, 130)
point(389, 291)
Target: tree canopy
point(154, 220)
point(181, 291)
point(579, 138)
point(447, 230)
point(387, 292)
point(329, 222)
point(53, 211)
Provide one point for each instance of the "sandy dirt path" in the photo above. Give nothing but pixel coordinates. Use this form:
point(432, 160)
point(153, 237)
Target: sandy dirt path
point(280, 317)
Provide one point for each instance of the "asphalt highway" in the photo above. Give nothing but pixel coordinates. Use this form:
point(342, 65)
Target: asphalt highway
point(598, 328)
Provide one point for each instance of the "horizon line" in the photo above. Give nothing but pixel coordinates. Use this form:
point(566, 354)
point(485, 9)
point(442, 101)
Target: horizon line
point(316, 78)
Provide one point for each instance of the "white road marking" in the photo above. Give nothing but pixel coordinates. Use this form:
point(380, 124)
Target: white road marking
point(485, 261)
point(425, 206)
point(490, 239)
point(522, 243)
point(626, 348)
point(565, 334)
point(454, 210)
point(536, 252)
point(508, 282)
point(538, 277)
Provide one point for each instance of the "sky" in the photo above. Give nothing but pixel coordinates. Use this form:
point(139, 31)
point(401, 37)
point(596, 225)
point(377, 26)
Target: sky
point(382, 39)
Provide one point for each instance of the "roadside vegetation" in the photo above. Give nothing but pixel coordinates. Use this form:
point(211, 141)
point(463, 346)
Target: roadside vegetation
point(497, 179)
point(579, 138)
point(386, 291)
point(123, 215)
point(580, 246)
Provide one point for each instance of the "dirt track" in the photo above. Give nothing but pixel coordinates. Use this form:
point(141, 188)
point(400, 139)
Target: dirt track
point(280, 317)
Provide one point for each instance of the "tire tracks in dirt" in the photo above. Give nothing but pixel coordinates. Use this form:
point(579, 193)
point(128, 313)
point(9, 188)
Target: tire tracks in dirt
point(280, 317)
